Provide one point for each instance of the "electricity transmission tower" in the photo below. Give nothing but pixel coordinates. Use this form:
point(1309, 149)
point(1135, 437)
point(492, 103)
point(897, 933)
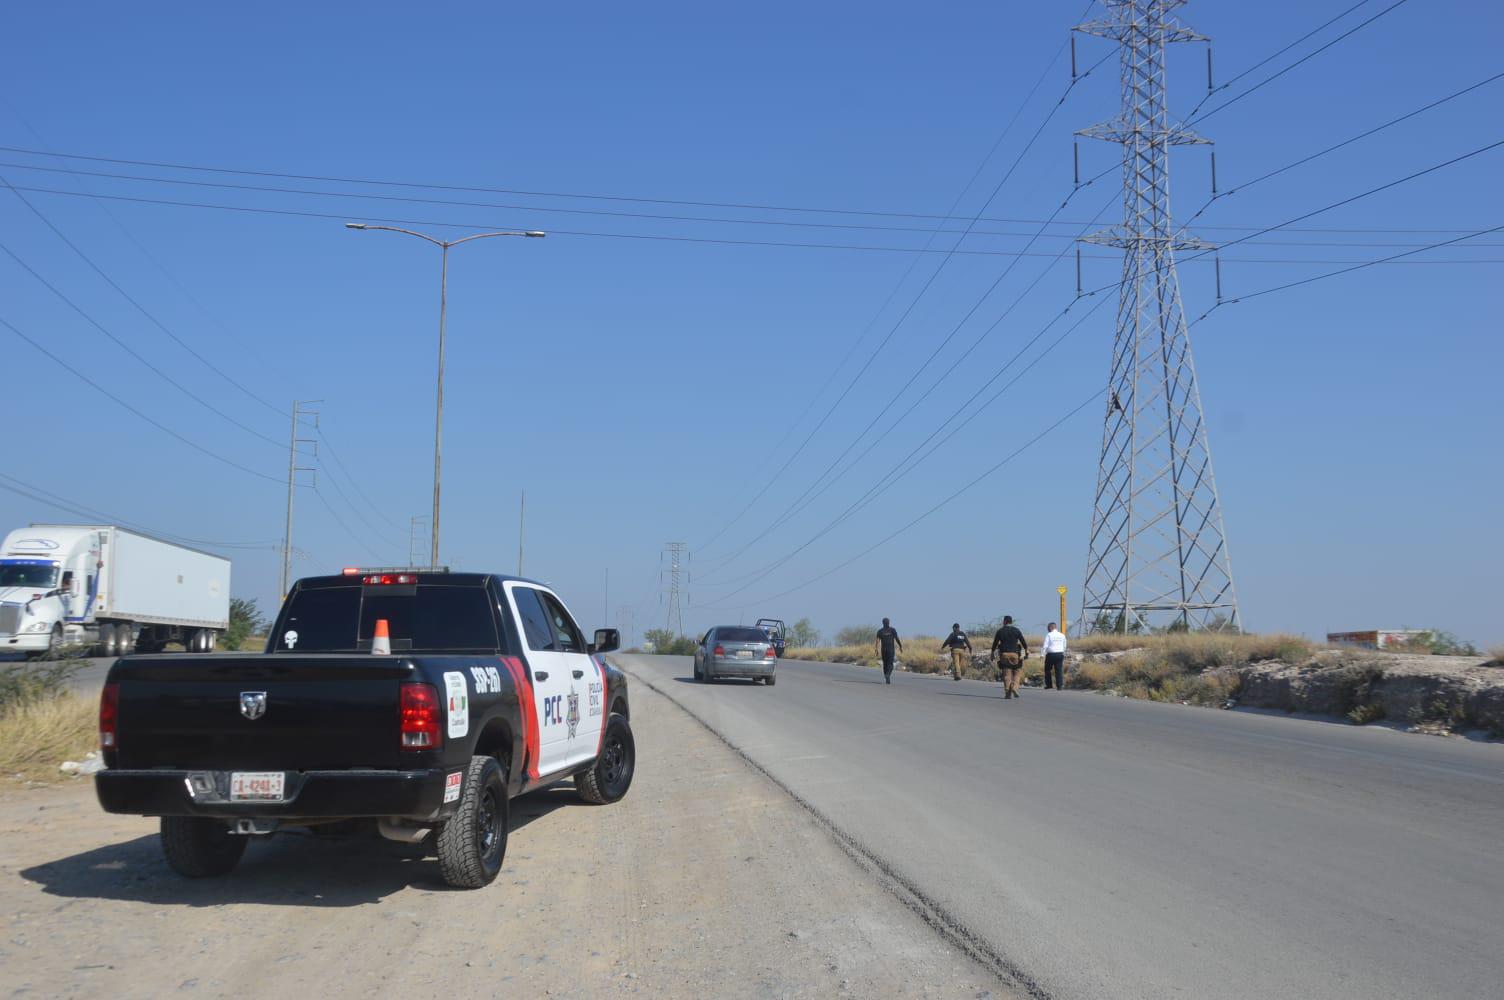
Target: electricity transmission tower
point(300, 410)
point(675, 553)
point(1158, 553)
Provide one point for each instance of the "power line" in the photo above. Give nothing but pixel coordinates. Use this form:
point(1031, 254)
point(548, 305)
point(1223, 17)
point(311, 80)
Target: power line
point(39, 495)
point(155, 423)
point(360, 541)
point(132, 351)
point(795, 507)
point(1357, 267)
point(1194, 118)
point(356, 487)
point(898, 470)
point(973, 483)
point(932, 510)
point(913, 263)
point(1333, 148)
point(125, 295)
point(877, 213)
point(923, 289)
point(1275, 55)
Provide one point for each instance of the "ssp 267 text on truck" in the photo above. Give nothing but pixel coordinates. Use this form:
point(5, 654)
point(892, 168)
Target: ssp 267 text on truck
point(418, 702)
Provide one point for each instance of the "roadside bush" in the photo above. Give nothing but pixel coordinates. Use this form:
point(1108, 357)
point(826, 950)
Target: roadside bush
point(1364, 714)
point(38, 680)
point(246, 620)
point(1496, 657)
point(856, 635)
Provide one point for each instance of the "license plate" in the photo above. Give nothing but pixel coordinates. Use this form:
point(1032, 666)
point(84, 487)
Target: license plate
point(743, 654)
point(256, 786)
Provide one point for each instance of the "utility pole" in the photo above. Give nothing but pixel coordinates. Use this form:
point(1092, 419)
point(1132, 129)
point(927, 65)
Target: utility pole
point(1158, 552)
point(299, 410)
point(676, 553)
point(412, 540)
point(521, 529)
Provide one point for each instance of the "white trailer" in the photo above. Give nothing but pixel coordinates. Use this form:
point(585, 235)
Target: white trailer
point(109, 588)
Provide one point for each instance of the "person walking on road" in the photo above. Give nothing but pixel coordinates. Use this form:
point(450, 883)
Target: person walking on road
point(960, 650)
point(887, 639)
point(1054, 658)
point(1011, 649)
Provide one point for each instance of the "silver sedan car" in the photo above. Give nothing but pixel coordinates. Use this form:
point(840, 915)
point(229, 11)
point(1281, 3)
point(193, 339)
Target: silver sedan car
point(736, 651)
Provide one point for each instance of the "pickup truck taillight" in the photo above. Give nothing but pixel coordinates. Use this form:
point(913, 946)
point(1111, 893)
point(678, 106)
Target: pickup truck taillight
point(420, 717)
point(109, 714)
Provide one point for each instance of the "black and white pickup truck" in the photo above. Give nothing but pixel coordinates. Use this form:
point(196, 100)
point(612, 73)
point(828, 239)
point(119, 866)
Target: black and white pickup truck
point(418, 702)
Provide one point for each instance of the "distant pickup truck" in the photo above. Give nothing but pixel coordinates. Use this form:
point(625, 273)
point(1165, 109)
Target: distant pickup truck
point(416, 702)
point(777, 632)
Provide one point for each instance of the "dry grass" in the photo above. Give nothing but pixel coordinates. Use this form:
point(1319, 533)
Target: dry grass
point(1496, 657)
point(1182, 667)
point(37, 735)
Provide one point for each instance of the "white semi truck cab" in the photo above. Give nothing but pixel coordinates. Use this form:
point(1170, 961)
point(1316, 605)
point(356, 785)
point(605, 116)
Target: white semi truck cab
point(107, 590)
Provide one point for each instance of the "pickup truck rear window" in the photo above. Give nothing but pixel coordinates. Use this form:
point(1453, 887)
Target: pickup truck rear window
point(425, 618)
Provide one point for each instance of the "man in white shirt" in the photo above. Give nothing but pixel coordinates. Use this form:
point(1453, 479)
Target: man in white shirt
point(1054, 658)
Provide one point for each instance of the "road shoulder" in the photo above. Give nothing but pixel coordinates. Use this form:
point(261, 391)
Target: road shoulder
point(706, 880)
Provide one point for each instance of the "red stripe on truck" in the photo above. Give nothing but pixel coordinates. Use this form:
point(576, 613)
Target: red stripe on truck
point(527, 705)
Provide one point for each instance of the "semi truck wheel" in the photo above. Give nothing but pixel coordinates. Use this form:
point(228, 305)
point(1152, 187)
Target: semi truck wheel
point(473, 842)
point(109, 640)
point(199, 848)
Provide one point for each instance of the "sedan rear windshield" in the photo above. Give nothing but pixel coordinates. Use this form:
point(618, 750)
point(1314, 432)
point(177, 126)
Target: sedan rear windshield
point(741, 634)
point(426, 617)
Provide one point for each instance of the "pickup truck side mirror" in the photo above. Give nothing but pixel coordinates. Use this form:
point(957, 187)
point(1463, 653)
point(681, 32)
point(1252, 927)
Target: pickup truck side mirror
point(607, 640)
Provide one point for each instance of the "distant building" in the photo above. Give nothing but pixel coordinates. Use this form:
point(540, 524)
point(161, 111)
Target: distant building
point(1377, 638)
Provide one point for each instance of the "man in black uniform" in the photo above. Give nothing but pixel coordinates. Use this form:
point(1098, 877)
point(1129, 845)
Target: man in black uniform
point(887, 638)
point(960, 650)
point(1011, 649)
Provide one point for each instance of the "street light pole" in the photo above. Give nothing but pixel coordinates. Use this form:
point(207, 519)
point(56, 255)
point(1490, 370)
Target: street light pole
point(438, 420)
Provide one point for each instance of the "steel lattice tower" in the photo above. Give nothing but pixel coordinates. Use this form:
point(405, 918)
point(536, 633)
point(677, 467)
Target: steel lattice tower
point(675, 551)
point(1158, 553)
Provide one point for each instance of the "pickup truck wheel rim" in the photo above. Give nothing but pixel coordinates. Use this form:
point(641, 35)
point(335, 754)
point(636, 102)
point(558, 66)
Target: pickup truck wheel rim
point(614, 756)
point(485, 822)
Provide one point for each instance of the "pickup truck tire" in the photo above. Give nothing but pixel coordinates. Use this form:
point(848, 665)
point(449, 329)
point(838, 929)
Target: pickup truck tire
point(199, 848)
point(611, 775)
point(472, 844)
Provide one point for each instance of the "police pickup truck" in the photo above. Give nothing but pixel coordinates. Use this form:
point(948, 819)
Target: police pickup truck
point(416, 702)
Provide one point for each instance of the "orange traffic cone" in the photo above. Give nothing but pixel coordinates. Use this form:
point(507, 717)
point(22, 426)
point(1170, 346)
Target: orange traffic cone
point(381, 643)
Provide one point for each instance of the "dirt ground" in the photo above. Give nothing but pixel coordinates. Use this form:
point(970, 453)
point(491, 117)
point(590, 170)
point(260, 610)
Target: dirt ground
point(706, 880)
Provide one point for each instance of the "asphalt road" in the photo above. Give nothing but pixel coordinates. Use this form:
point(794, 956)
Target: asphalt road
point(1100, 847)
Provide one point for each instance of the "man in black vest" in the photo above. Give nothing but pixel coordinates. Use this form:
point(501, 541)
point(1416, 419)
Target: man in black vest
point(1011, 649)
point(960, 650)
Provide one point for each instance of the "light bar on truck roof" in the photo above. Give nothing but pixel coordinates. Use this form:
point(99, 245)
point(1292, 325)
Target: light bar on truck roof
point(384, 570)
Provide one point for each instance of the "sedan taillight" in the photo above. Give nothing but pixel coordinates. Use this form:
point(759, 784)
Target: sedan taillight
point(718, 651)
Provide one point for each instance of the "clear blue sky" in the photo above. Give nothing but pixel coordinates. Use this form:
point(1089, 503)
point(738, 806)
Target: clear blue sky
point(637, 388)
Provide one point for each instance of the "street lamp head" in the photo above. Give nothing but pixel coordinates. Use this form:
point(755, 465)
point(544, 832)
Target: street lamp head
point(535, 232)
point(355, 225)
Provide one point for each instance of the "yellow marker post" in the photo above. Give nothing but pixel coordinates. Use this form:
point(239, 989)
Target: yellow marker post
point(1061, 592)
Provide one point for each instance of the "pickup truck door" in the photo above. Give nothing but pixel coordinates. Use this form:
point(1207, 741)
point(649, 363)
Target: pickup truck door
point(584, 704)
point(553, 675)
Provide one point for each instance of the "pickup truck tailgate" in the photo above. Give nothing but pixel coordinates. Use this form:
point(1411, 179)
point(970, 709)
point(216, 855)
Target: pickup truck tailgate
point(320, 712)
